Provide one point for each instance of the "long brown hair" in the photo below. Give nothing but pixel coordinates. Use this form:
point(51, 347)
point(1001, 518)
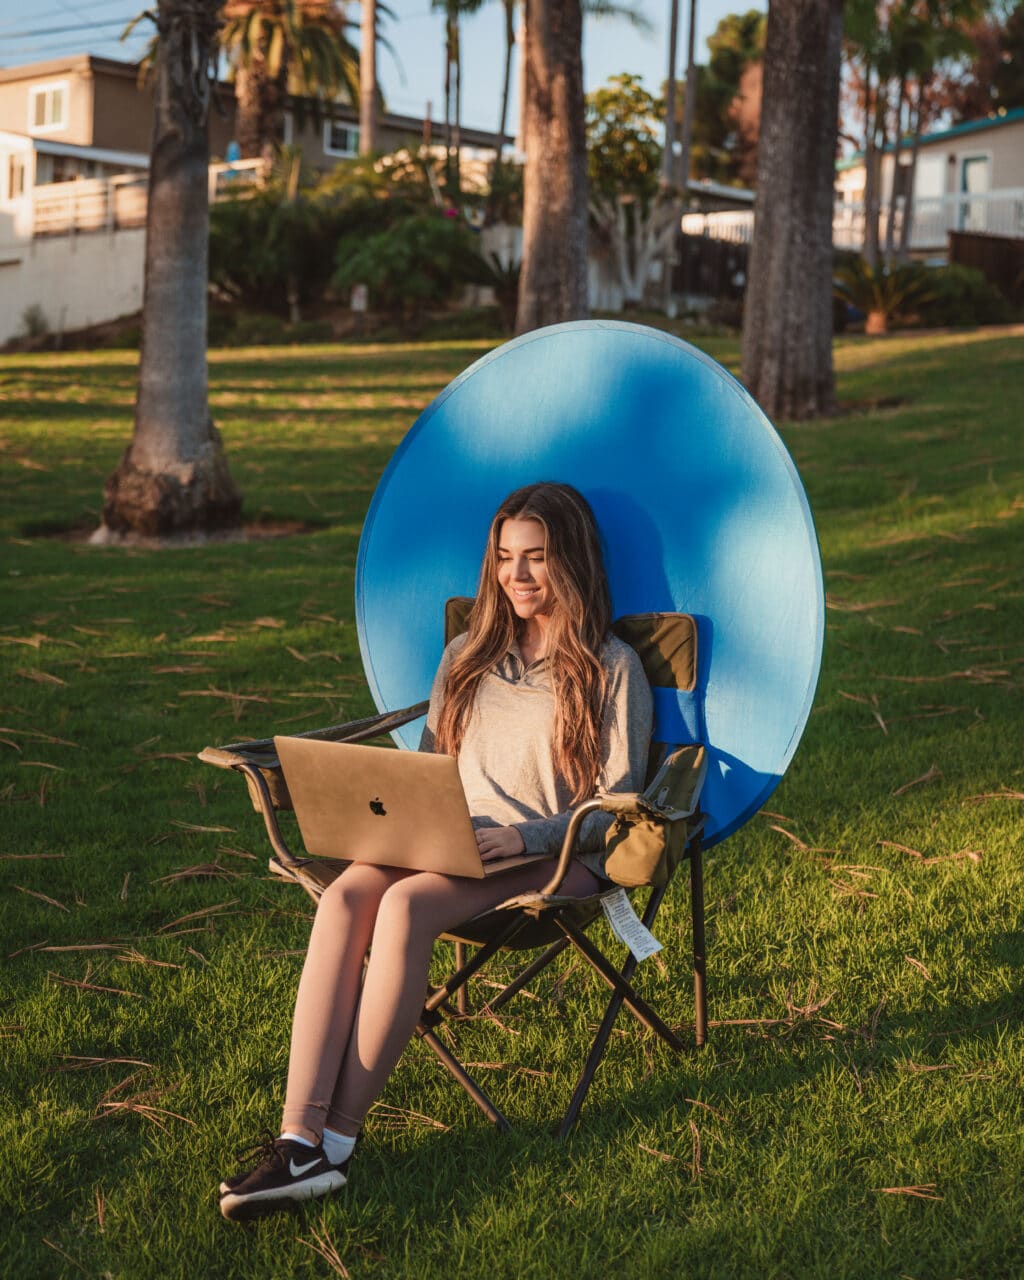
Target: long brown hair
point(579, 623)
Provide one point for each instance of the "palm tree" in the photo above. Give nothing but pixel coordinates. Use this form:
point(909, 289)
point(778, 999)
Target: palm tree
point(368, 77)
point(553, 281)
point(275, 46)
point(173, 480)
point(787, 319)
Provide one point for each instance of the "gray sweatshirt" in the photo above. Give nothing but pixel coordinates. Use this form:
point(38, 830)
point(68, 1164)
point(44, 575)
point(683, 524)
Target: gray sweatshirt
point(506, 761)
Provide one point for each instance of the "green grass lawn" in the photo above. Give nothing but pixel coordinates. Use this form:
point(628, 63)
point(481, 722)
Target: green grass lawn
point(857, 1112)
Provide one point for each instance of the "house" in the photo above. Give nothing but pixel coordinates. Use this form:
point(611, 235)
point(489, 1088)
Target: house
point(968, 178)
point(75, 135)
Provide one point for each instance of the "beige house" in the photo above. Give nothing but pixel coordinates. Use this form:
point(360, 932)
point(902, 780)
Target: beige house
point(75, 135)
point(967, 178)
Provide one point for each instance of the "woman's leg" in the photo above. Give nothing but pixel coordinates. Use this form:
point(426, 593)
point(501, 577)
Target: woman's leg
point(411, 914)
point(329, 992)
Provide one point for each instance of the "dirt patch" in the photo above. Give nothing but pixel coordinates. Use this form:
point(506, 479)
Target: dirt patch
point(83, 531)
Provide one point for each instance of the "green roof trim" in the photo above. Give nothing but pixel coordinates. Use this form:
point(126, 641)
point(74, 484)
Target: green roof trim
point(995, 121)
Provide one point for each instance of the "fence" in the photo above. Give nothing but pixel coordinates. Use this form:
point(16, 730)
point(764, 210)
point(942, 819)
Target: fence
point(999, 258)
point(117, 203)
point(999, 213)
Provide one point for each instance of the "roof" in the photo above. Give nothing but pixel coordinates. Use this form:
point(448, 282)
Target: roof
point(80, 62)
point(48, 147)
point(86, 63)
point(997, 120)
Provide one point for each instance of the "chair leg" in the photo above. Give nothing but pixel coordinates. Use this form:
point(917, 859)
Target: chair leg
point(462, 996)
point(619, 982)
point(456, 1068)
point(528, 974)
point(597, 1049)
point(700, 995)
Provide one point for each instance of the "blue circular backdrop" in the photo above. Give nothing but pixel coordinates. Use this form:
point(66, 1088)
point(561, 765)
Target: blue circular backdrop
point(700, 507)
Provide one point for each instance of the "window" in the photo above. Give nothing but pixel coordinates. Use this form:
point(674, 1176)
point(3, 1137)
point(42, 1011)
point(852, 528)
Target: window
point(48, 107)
point(341, 139)
point(15, 177)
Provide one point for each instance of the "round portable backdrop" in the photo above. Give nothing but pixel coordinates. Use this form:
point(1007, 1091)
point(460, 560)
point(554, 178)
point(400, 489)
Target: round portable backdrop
point(700, 508)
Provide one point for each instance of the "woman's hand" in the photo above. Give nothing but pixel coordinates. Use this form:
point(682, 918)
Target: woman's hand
point(498, 842)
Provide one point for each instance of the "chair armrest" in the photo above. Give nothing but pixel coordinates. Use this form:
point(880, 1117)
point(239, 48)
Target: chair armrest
point(260, 751)
point(629, 804)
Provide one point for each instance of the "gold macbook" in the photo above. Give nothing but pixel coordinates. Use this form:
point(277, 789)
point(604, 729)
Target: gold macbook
point(394, 808)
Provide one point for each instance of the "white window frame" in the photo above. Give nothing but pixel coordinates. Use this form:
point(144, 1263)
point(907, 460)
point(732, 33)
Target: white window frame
point(40, 90)
point(334, 151)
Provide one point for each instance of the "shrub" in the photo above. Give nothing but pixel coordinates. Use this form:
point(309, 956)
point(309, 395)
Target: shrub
point(418, 262)
point(960, 295)
point(34, 323)
point(884, 293)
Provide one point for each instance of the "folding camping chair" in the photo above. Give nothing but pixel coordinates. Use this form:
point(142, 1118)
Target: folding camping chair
point(702, 512)
point(667, 647)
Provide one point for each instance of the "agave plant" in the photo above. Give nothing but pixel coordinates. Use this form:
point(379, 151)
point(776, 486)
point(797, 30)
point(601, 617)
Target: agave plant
point(882, 292)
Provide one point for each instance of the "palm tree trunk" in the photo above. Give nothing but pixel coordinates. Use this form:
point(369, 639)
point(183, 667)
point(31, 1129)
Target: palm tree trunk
point(897, 145)
point(506, 78)
point(907, 226)
point(457, 113)
point(448, 98)
point(249, 95)
point(553, 281)
point(689, 99)
point(787, 320)
point(173, 481)
point(668, 159)
point(368, 78)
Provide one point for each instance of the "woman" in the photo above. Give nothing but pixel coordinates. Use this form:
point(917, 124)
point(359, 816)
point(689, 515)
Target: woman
point(543, 707)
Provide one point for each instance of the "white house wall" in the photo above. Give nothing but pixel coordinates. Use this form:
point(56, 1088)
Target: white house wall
point(75, 280)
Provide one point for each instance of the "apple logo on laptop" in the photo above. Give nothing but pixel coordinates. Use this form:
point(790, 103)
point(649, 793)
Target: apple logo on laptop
point(377, 807)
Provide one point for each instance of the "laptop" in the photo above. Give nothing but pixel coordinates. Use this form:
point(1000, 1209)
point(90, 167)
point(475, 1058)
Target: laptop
point(393, 808)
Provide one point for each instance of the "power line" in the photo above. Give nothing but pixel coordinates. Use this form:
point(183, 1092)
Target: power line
point(59, 31)
point(57, 13)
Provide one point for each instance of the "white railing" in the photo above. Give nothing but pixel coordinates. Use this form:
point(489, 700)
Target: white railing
point(734, 225)
point(111, 204)
point(89, 204)
point(997, 213)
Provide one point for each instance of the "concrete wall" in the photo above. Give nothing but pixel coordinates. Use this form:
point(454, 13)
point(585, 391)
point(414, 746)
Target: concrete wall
point(76, 280)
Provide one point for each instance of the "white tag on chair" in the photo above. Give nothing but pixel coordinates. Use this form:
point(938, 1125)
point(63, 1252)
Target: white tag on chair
point(627, 926)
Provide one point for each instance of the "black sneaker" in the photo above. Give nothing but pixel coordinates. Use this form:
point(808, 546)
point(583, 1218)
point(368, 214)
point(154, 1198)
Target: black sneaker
point(287, 1173)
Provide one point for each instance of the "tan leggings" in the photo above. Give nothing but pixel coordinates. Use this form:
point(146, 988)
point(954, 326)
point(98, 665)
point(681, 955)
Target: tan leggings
point(349, 1030)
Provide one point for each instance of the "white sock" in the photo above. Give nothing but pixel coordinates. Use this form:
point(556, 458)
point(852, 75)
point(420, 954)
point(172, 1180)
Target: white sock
point(296, 1137)
point(337, 1146)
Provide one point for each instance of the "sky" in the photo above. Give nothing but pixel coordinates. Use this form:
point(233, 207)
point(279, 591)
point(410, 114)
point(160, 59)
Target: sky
point(31, 32)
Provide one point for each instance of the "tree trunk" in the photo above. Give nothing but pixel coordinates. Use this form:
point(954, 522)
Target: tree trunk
point(553, 281)
point(787, 323)
point(897, 147)
point(907, 226)
point(260, 100)
point(368, 78)
point(668, 159)
point(495, 198)
point(173, 481)
point(869, 249)
point(689, 101)
point(506, 78)
point(249, 96)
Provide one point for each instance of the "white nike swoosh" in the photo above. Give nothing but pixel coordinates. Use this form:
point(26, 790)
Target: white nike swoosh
point(297, 1170)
